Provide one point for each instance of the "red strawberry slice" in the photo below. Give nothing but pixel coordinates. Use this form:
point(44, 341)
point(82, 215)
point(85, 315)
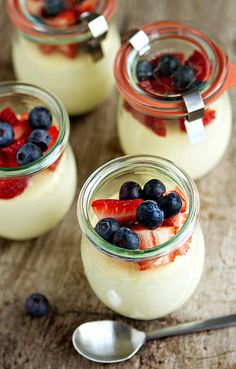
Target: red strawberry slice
point(64, 19)
point(151, 238)
point(54, 166)
point(183, 249)
point(11, 151)
point(54, 132)
point(69, 50)
point(8, 116)
point(87, 6)
point(3, 160)
point(10, 188)
point(48, 49)
point(22, 130)
point(177, 221)
point(152, 264)
point(201, 65)
point(209, 116)
point(124, 211)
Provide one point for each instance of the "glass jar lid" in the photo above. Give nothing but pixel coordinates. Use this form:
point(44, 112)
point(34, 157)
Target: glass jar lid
point(141, 62)
point(60, 28)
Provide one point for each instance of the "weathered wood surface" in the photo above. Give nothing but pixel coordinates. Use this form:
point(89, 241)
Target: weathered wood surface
point(52, 265)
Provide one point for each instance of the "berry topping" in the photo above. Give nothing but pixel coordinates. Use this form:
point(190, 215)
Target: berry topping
point(201, 66)
point(144, 70)
point(130, 190)
point(124, 211)
point(64, 19)
point(8, 116)
point(171, 204)
point(167, 65)
point(41, 138)
point(28, 154)
point(126, 239)
point(40, 118)
point(53, 7)
point(6, 134)
point(153, 189)
point(106, 228)
point(10, 188)
point(53, 131)
point(152, 238)
point(37, 305)
point(149, 214)
point(183, 77)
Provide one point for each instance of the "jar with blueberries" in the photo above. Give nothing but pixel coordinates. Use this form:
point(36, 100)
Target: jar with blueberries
point(67, 47)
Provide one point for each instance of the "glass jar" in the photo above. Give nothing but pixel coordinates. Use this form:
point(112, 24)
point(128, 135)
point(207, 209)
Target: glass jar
point(121, 278)
point(36, 196)
point(71, 62)
point(153, 116)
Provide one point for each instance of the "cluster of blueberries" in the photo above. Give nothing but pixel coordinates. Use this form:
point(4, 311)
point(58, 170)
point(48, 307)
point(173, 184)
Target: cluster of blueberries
point(183, 76)
point(150, 213)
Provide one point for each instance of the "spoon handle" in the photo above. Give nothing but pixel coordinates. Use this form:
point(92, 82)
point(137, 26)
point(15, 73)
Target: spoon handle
point(203, 325)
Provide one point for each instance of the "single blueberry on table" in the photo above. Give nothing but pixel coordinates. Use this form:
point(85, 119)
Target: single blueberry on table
point(183, 77)
point(6, 134)
point(41, 138)
point(167, 64)
point(130, 190)
point(126, 239)
point(144, 70)
point(40, 118)
point(28, 153)
point(149, 214)
point(171, 204)
point(106, 228)
point(37, 305)
point(153, 189)
point(54, 7)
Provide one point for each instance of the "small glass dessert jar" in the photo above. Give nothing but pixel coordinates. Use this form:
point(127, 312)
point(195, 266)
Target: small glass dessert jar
point(143, 283)
point(173, 80)
point(70, 53)
point(36, 196)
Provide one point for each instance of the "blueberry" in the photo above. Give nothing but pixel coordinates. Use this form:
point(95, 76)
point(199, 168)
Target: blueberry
point(54, 7)
point(130, 190)
point(167, 65)
point(28, 153)
point(144, 70)
point(183, 77)
point(37, 305)
point(40, 118)
point(41, 138)
point(149, 214)
point(153, 189)
point(6, 134)
point(126, 239)
point(171, 204)
point(106, 228)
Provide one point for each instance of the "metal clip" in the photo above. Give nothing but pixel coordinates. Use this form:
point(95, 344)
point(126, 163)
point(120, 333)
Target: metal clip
point(140, 41)
point(194, 125)
point(98, 27)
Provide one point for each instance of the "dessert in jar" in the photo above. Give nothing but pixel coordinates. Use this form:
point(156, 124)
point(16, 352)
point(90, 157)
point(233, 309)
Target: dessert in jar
point(37, 166)
point(173, 80)
point(67, 47)
point(142, 245)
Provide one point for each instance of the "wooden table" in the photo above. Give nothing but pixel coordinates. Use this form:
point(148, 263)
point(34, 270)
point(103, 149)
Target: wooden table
point(52, 265)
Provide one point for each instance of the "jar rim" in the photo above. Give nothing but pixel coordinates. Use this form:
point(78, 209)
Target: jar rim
point(35, 30)
point(171, 108)
point(57, 109)
point(96, 179)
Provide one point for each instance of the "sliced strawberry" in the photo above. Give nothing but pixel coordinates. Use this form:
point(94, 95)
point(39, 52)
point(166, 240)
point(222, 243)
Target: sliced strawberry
point(124, 211)
point(177, 221)
point(54, 132)
point(11, 151)
point(64, 19)
point(87, 6)
point(8, 116)
point(201, 65)
point(183, 249)
point(69, 50)
point(22, 130)
point(151, 264)
point(48, 49)
point(209, 116)
point(54, 166)
point(151, 238)
point(10, 188)
point(3, 160)
point(35, 7)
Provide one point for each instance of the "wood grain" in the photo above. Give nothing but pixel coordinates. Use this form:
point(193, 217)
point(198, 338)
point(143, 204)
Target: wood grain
point(52, 264)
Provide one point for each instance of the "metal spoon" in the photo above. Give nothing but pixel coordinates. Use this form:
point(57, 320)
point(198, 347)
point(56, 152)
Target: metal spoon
point(107, 341)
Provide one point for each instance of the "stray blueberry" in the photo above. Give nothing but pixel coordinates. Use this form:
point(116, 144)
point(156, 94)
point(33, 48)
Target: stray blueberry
point(106, 228)
point(54, 7)
point(6, 134)
point(183, 77)
point(144, 70)
point(149, 214)
point(37, 305)
point(126, 239)
point(41, 138)
point(171, 204)
point(153, 189)
point(167, 64)
point(28, 153)
point(40, 118)
point(130, 190)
